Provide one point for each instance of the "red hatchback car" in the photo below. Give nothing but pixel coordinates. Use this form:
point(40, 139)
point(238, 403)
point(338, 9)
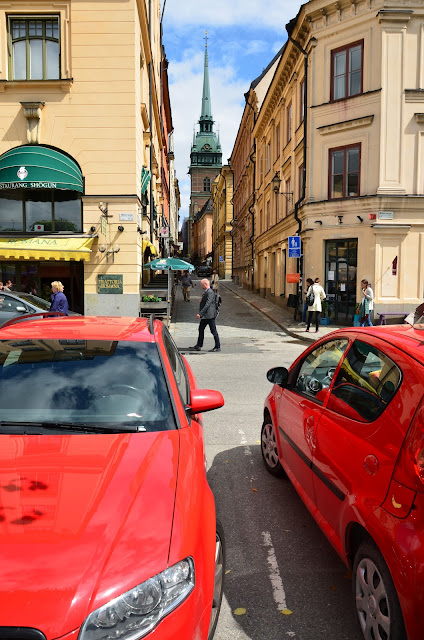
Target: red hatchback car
point(346, 424)
point(107, 521)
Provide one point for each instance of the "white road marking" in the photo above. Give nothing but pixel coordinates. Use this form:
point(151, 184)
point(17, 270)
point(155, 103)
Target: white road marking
point(274, 573)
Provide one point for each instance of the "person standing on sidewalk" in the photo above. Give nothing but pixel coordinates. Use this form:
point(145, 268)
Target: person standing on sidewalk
point(207, 315)
point(367, 304)
point(309, 283)
point(186, 284)
point(314, 297)
point(215, 281)
point(59, 300)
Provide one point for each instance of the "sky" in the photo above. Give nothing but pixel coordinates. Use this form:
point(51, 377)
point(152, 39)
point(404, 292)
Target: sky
point(243, 37)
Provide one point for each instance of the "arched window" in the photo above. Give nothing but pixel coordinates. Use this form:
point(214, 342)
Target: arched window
point(206, 184)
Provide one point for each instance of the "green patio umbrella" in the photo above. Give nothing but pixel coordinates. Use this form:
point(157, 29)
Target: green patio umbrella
point(166, 264)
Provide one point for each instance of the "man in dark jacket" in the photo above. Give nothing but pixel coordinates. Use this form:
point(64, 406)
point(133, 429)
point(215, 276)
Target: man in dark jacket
point(207, 315)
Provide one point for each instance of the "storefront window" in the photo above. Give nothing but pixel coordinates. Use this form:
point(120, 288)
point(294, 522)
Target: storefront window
point(11, 212)
point(38, 211)
point(67, 211)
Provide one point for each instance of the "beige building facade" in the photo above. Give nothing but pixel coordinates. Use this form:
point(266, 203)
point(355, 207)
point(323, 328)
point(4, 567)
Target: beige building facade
point(222, 241)
point(362, 215)
point(80, 84)
point(243, 164)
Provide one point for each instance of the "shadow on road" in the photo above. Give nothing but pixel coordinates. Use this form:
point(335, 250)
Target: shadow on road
point(277, 556)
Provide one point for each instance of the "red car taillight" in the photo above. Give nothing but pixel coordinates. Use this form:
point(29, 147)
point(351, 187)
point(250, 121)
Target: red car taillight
point(409, 469)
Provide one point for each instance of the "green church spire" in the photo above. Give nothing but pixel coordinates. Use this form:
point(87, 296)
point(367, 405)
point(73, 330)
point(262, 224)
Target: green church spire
point(206, 148)
point(206, 115)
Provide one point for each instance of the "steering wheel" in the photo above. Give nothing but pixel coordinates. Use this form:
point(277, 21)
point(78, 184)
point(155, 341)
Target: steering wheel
point(312, 384)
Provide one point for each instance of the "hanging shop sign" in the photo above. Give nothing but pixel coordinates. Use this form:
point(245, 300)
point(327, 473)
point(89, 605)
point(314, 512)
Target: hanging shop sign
point(108, 283)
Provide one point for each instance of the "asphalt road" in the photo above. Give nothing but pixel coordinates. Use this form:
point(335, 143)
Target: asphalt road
point(277, 557)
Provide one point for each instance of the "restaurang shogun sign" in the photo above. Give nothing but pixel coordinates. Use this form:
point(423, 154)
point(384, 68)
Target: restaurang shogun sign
point(107, 283)
point(28, 185)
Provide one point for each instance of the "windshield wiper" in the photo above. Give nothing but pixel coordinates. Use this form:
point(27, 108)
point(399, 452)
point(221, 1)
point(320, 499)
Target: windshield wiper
point(86, 427)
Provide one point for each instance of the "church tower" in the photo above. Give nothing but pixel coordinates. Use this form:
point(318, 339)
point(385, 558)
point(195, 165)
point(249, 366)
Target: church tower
point(205, 157)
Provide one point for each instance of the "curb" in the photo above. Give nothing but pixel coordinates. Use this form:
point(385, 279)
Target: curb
point(269, 315)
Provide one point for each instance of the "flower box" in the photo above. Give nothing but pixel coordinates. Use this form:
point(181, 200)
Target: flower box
point(154, 305)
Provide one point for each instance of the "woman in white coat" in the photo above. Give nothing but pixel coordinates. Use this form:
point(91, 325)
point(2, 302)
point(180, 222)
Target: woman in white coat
point(318, 294)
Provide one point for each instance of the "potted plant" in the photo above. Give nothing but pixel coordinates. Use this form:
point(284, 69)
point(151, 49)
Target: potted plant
point(325, 319)
point(357, 316)
point(150, 301)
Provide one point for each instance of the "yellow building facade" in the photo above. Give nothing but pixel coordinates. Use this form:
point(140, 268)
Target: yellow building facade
point(80, 95)
point(222, 241)
point(362, 214)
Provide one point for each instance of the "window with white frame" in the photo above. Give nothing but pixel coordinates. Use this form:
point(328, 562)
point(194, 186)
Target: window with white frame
point(34, 47)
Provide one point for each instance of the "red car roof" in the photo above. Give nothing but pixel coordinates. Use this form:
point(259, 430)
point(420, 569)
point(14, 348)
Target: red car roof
point(403, 336)
point(83, 328)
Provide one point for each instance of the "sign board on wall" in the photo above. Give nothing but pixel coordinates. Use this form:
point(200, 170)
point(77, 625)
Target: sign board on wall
point(221, 258)
point(126, 217)
point(108, 283)
point(164, 232)
point(293, 277)
point(385, 215)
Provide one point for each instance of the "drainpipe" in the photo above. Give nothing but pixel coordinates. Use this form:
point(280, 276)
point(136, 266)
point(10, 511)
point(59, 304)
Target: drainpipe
point(289, 28)
point(251, 208)
point(151, 123)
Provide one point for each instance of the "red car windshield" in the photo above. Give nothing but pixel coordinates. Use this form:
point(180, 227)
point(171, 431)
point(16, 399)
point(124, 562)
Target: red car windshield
point(96, 384)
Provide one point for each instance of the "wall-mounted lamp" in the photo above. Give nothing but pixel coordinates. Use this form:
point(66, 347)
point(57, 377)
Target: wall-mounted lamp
point(102, 248)
point(111, 252)
point(276, 182)
point(140, 231)
point(360, 219)
point(103, 207)
point(318, 221)
point(120, 227)
point(92, 229)
point(340, 219)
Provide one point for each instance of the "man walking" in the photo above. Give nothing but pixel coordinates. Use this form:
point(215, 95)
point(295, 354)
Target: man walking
point(186, 284)
point(207, 315)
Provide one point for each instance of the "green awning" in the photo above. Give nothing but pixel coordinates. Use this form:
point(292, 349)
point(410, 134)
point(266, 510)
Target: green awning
point(145, 179)
point(37, 167)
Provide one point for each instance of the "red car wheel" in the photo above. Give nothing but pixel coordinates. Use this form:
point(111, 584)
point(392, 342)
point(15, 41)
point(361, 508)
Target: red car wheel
point(218, 587)
point(269, 449)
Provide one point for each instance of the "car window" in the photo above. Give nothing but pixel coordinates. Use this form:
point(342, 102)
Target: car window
point(177, 366)
point(317, 369)
point(9, 304)
point(35, 300)
point(365, 384)
point(95, 382)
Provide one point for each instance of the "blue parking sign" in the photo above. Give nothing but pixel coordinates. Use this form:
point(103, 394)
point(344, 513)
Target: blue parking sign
point(294, 246)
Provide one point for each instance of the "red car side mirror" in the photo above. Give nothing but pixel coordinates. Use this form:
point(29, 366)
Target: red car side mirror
point(202, 400)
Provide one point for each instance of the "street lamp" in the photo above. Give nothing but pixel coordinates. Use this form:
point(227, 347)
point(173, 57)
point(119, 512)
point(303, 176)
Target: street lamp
point(276, 182)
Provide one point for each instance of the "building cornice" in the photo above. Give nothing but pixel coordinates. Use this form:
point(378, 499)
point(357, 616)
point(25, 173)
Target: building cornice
point(346, 125)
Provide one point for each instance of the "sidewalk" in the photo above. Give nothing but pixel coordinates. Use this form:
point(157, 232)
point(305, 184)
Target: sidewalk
point(282, 316)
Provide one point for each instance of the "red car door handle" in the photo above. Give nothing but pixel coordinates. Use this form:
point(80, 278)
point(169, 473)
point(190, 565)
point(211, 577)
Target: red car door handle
point(310, 421)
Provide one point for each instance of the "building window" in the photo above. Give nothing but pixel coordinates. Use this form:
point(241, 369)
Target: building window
point(300, 180)
point(34, 48)
point(268, 215)
point(302, 101)
point(289, 122)
point(347, 71)
point(206, 184)
point(288, 196)
point(344, 172)
point(277, 141)
point(268, 157)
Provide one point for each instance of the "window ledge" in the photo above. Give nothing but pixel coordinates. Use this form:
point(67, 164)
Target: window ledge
point(347, 124)
point(64, 84)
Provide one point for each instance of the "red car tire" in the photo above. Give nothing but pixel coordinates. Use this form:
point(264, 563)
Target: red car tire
point(269, 449)
point(218, 590)
point(375, 596)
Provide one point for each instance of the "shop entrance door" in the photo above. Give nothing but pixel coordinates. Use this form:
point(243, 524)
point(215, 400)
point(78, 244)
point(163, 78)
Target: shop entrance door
point(340, 279)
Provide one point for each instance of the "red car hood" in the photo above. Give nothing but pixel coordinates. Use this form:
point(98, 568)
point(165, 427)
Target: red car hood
point(83, 518)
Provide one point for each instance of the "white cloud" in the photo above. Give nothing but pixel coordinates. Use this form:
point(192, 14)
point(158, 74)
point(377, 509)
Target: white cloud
point(231, 12)
point(186, 82)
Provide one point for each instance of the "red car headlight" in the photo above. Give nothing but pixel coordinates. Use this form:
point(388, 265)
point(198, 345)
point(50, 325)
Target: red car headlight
point(138, 611)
